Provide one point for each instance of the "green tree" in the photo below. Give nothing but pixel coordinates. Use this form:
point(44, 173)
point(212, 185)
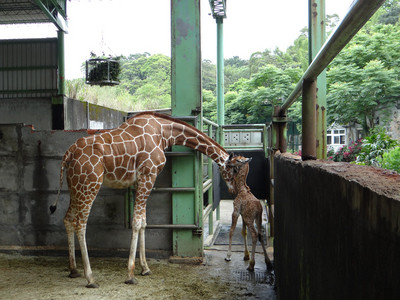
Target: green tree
point(363, 80)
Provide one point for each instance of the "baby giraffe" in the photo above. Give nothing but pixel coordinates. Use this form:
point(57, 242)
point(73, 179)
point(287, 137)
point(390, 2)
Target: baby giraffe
point(250, 208)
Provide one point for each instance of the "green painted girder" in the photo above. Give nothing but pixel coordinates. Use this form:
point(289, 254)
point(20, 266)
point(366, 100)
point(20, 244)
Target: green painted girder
point(53, 9)
point(187, 207)
point(316, 40)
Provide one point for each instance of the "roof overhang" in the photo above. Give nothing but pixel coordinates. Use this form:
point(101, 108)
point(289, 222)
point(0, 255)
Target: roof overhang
point(34, 11)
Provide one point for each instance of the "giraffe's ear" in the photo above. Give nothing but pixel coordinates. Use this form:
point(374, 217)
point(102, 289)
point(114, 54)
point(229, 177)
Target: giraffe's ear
point(244, 160)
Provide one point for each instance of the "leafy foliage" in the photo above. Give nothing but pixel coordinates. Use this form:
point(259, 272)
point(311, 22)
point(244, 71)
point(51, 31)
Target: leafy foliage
point(391, 160)
point(363, 80)
point(374, 147)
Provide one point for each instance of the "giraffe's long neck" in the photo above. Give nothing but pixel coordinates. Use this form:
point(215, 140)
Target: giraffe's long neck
point(187, 135)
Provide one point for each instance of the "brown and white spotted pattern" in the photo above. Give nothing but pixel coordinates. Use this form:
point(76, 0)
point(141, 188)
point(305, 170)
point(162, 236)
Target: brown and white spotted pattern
point(132, 154)
point(250, 208)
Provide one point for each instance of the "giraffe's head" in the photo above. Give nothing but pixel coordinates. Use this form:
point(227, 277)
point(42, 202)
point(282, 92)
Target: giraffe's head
point(230, 169)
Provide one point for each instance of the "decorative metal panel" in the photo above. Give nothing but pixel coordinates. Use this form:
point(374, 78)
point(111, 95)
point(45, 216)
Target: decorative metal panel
point(28, 68)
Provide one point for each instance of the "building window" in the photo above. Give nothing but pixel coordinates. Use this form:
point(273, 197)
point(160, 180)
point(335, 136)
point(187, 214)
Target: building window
point(336, 137)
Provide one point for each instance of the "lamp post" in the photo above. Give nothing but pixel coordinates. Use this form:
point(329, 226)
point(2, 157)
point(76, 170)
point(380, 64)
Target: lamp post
point(218, 11)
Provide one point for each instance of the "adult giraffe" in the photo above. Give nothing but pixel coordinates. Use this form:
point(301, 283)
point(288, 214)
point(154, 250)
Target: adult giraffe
point(132, 154)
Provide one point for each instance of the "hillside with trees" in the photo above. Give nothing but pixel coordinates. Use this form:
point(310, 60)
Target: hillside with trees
point(362, 81)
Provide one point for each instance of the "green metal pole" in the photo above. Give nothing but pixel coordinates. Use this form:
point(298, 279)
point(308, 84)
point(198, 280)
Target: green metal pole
point(308, 149)
point(61, 63)
point(220, 78)
point(316, 40)
point(186, 101)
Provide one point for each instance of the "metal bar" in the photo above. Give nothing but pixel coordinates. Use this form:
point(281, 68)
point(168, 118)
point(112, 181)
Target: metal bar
point(174, 189)
point(179, 153)
point(358, 15)
point(242, 148)
point(207, 184)
point(220, 78)
point(172, 226)
point(61, 62)
point(317, 34)
point(309, 149)
point(208, 122)
point(244, 130)
point(243, 126)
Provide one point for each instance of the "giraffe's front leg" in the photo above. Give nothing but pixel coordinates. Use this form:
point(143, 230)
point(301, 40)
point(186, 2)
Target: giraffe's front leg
point(235, 217)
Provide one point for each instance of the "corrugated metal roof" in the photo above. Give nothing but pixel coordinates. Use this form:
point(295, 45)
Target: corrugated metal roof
point(33, 11)
point(21, 11)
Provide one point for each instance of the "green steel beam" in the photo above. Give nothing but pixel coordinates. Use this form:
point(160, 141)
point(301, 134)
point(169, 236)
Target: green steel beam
point(61, 62)
point(186, 101)
point(52, 8)
point(220, 79)
point(316, 18)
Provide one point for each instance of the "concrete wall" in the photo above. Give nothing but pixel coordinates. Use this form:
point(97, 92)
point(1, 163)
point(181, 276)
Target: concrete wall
point(32, 111)
point(84, 115)
point(29, 180)
point(337, 231)
point(41, 114)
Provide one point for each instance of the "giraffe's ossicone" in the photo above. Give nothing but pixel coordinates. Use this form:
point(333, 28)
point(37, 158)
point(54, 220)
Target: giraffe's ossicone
point(132, 154)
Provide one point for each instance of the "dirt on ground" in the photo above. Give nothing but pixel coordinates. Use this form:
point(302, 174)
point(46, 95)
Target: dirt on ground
point(382, 181)
point(44, 277)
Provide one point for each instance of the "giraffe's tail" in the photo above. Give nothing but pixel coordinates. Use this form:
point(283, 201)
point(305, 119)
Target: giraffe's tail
point(64, 163)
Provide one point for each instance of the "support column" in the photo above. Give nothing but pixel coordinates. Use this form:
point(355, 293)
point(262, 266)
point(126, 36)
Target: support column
point(309, 149)
point(220, 79)
point(61, 63)
point(316, 40)
point(187, 207)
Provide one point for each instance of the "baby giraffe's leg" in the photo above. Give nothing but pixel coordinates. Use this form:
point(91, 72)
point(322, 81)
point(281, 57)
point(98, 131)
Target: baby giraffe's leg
point(253, 249)
point(261, 239)
point(244, 234)
point(235, 217)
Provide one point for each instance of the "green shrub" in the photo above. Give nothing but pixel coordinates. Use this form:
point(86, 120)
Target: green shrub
point(391, 160)
point(374, 147)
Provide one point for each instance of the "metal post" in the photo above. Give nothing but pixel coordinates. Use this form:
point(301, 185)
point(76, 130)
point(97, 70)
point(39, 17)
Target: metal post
point(308, 149)
point(317, 38)
point(61, 63)
point(220, 79)
point(186, 101)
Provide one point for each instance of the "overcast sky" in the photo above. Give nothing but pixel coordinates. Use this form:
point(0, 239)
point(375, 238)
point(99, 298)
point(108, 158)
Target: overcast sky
point(130, 26)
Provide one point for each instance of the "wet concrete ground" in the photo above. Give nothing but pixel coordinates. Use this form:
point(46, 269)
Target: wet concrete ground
point(43, 277)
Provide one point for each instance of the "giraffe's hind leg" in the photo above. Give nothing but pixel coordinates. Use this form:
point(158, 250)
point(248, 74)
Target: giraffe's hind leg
point(244, 234)
point(253, 248)
point(145, 185)
point(71, 247)
point(81, 202)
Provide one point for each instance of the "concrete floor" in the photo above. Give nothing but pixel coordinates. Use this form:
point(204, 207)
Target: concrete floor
point(44, 277)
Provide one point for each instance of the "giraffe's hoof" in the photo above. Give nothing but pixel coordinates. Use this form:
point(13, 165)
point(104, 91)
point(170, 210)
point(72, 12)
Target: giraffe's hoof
point(74, 274)
point(131, 281)
point(92, 285)
point(250, 269)
point(246, 257)
point(227, 259)
point(145, 273)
